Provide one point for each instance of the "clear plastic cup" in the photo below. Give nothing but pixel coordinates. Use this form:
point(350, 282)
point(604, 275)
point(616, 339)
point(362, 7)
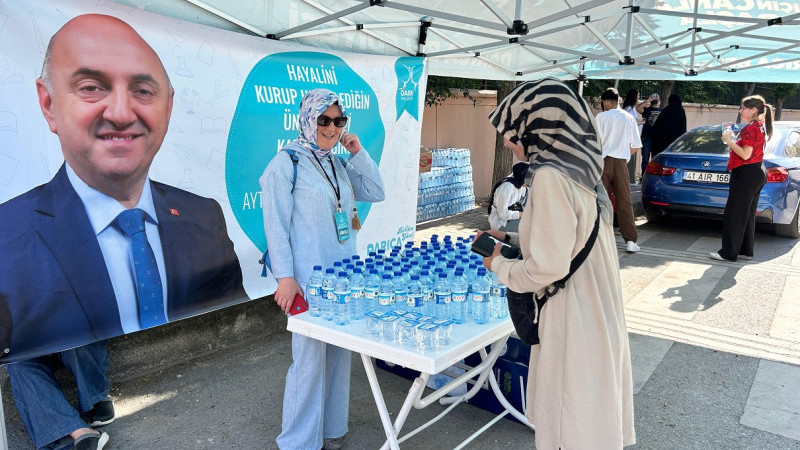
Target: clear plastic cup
point(427, 337)
point(407, 333)
point(445, 330)
point(373, 319)
point(388, 327)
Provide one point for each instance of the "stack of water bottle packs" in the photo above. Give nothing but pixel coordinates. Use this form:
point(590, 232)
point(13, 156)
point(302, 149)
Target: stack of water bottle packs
point(412, 296)
point(447, 188)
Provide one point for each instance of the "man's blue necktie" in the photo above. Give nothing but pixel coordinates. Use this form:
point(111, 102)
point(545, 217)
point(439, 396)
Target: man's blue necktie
point(148, 282)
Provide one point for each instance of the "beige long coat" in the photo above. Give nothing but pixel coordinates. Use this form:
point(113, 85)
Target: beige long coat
point(580, 391)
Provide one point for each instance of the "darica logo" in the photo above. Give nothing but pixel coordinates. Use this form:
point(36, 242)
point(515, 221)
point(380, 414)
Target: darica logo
point(409, 71)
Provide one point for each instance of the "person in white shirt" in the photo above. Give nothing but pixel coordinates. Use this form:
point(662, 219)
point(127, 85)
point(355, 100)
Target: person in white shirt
point(508, 200)
point(619, 139)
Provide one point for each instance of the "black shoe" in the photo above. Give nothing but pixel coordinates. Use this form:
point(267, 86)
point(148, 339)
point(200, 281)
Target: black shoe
point(91, 441)
point(332, 443)
point(101, 414)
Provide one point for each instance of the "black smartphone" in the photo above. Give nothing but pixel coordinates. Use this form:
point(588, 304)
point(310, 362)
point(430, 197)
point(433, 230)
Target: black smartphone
point(485, 243)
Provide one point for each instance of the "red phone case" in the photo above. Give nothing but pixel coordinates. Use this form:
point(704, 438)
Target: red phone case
point(299, 305)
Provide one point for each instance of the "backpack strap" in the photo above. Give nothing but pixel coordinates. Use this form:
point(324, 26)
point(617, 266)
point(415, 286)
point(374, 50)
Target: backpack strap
point(265, 261)
point(295, 160)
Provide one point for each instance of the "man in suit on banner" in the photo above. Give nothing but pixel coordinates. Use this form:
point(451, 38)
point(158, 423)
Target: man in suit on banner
point(102, 250)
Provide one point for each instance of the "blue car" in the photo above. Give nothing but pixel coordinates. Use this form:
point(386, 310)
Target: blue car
point(690, 178)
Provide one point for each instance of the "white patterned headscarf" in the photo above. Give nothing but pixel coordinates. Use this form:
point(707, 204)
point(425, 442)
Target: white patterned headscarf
point(556, 129)
point(314, 103)
point(554, 126)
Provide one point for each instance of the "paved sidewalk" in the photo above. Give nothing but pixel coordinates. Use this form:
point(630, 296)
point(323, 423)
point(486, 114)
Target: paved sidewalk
point(686, 396)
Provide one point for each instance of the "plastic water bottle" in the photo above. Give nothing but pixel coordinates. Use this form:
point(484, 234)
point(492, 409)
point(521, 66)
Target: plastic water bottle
point(497, 298)
point(371, 285)
point(386, 294)
point(400, 290)
point(314, 292)
point(459, 288)
point(415, 300)
point(357, 302)
point(427, 292)
point(341, 304)
point(443, 296)
point(480, 297)
point(328, 280)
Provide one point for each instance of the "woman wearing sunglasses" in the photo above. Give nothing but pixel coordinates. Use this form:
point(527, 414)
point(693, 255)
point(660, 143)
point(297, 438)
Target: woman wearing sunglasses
point(312, 220)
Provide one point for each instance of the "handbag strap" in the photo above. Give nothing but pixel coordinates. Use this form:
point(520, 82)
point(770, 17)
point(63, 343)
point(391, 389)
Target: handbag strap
point(574, 265)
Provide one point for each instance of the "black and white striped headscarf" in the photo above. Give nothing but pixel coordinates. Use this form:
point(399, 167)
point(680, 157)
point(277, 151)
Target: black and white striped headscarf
point(555, 127)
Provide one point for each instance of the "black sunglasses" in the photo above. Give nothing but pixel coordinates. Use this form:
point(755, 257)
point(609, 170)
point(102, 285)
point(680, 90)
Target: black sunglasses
point(324, 121)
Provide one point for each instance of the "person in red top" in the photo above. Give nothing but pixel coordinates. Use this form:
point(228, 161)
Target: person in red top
point(748, 176)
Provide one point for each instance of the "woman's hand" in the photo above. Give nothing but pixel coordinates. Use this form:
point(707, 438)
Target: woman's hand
point(487, 261)
point(726, 137)
point(284, 295)
point(499, 235)
point(350, 142)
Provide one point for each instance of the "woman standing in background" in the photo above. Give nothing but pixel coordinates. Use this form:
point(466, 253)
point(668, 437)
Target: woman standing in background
point(748, 176)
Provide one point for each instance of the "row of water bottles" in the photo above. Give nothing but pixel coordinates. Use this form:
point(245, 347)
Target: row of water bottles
point(445, 208)
point(428, 196)
point(443, 281)
point(443, 176)
point(450, 157)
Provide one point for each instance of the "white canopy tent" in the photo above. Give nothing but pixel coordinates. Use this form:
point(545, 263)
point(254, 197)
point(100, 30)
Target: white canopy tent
point(725, 40)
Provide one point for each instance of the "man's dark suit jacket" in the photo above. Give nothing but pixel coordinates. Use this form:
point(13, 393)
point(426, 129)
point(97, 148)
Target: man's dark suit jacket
point(55, 282)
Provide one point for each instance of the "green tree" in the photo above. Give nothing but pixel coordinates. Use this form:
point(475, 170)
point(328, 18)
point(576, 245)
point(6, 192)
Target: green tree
point(443, 88)
point(781, 91)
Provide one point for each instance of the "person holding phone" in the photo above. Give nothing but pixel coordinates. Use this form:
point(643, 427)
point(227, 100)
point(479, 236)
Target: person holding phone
point(312, 220)
point(580, 389)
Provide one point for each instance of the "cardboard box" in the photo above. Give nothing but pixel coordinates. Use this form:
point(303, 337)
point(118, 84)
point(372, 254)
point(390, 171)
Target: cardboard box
point(512, 378)
point(425, 159)
point(510, 371)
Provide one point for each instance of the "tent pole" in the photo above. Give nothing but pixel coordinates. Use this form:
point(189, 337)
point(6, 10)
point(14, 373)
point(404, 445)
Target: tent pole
point(629, 37)
point(694, 36)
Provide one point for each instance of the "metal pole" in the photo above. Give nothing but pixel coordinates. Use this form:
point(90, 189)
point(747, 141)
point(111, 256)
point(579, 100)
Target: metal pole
point(3, 436)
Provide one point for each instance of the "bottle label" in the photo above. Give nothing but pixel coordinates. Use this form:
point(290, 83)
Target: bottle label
point(459, 297)
point(384, 299)
point(498, 291)
point(415, 301)
point(370, 294)
point(443, 298)
point(356, 294)
point(342, 298)
point(400, 297)
point(478, 297)
point(314, 291)
point(327, 294)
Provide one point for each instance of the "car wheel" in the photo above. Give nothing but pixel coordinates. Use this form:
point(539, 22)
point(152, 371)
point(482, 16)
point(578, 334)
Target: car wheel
point(654, 215)
point(791, 230)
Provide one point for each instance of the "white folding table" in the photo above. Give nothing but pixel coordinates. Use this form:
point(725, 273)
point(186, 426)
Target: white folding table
point(467, 339)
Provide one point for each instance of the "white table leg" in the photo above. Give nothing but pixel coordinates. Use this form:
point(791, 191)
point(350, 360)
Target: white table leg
point(3, 437)
point(388, 428)
point(508, 406)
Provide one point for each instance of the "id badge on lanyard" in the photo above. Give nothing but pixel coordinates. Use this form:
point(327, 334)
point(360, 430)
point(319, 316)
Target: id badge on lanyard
point(342, 229)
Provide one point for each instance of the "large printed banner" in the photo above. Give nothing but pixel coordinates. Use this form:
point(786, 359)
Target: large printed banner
point(235, 105)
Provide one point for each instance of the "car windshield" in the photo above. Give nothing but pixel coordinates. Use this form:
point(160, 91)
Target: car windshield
point(701, 140)
point(708, 140)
